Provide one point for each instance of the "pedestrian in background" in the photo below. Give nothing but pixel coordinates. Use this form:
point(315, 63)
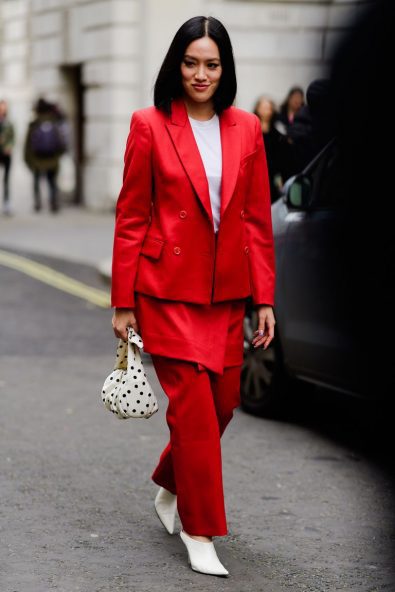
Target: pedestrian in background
point(193, 239)
point(312, 126)
point(7, 140)
point(44, 145)
point(291, 105)
point(277, 145)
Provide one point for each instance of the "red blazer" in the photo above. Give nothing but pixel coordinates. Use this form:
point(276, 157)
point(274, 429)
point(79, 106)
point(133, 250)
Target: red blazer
point(164, 240)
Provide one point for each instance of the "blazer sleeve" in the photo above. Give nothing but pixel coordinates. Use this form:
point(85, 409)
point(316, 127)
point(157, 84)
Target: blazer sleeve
point(132, 212)
point(258, 221)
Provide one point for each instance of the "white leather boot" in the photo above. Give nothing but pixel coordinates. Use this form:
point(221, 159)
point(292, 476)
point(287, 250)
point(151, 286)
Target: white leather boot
point(202, 556)
point(166, 506)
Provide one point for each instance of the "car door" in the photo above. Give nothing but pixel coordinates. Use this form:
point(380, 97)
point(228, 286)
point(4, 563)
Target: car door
point(317, 335)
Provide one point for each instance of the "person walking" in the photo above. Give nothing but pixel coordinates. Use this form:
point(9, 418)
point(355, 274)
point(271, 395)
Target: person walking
point(192, 241)
point(277, 146)
point(7, 140)
point(44, 145)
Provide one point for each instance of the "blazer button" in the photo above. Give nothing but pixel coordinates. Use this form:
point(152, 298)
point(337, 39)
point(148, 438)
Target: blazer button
point(242, 214)
point(183, 214)
point(246, 249)
point(177, 250)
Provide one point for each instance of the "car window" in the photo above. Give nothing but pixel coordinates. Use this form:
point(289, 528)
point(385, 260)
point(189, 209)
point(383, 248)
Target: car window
point(328, 180)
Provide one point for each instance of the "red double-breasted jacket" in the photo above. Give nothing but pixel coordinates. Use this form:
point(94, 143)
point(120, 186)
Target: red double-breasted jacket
point(164, 240)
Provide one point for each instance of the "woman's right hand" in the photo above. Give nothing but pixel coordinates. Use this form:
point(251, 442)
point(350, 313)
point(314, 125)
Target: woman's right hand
point(121, 320)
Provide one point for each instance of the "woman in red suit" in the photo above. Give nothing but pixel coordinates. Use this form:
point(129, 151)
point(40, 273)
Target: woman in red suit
point(193, 239)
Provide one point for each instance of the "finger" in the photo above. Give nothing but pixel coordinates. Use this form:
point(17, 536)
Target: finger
point(266, 345)
point(265, 341)
point(261, 327)
point(121, 333)
point(257, 335)
point(269, 338)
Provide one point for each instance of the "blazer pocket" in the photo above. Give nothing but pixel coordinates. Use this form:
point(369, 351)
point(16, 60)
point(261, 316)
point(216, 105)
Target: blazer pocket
point(152, 247)
point(247, 158)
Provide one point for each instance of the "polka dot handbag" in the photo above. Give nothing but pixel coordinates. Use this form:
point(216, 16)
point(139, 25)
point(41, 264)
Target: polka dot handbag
point(126, 391)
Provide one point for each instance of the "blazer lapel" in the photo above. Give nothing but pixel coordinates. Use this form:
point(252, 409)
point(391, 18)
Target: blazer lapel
point(181, 133)
point(184, 142)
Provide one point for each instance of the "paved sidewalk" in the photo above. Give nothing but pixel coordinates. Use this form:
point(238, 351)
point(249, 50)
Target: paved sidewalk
point(73, 234)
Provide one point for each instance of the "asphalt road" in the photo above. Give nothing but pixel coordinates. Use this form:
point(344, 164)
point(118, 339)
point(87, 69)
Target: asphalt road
point(309, 500)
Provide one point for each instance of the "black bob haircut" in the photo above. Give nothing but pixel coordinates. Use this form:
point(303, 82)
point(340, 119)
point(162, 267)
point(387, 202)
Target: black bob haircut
point(168, 83)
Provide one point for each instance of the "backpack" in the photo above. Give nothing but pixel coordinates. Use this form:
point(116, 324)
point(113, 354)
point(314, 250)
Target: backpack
point(46, 139)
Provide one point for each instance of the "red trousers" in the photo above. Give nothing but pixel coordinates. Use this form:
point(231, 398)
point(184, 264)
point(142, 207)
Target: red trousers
point(200, 406)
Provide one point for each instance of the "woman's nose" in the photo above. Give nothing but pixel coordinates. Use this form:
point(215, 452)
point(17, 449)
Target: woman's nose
point(201, 73)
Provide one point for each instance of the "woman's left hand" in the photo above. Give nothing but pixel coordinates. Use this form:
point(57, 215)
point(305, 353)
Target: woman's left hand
point(266, 322)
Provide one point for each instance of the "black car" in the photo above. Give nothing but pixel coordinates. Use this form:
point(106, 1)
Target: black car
point(316, 278)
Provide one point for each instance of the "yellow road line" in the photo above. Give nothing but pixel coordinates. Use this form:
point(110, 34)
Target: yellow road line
point(58, 280)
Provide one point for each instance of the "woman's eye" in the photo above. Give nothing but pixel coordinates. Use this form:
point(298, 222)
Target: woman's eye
point(188, 63)
point(213, 66)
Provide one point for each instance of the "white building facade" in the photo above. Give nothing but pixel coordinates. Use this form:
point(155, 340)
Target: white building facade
point(99, 59)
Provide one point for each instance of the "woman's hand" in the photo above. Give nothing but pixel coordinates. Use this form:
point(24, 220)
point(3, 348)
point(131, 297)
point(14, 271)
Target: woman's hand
point(266, 322)
point(121, 320)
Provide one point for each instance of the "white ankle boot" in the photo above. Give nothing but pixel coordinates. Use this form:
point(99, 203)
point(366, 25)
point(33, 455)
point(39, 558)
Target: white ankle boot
point(202, 556)
point(166, 506)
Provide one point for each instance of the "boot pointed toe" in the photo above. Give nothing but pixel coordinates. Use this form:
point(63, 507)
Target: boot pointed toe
point(202, 556)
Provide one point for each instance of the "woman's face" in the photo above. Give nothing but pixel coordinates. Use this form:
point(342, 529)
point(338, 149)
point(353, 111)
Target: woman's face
point(265, 110)
point(295, 100)
point(201, 69)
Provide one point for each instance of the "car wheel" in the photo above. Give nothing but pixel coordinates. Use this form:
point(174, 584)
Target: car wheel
point(264, 384)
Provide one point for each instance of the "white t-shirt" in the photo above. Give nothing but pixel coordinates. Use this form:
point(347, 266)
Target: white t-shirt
point(208, 139)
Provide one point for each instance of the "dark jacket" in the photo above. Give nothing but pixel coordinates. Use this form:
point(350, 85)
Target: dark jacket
point(278, 154)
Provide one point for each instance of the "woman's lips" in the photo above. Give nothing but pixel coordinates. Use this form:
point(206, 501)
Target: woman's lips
point(200, 87)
